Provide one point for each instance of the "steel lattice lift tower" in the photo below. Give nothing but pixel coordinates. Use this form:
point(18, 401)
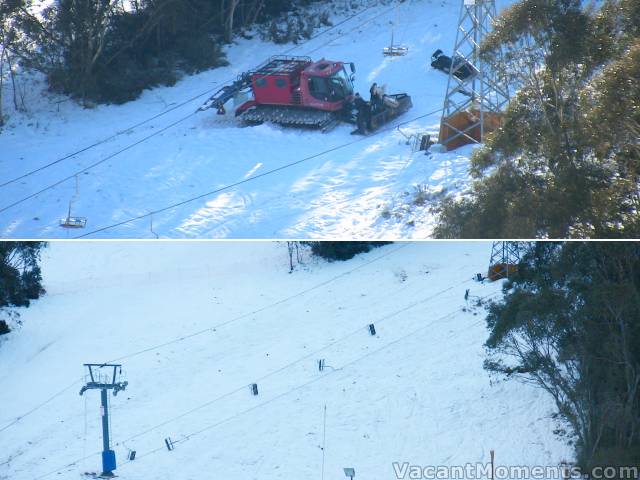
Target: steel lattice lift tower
point(475, 96)
point(104, 383)
point(505, 257)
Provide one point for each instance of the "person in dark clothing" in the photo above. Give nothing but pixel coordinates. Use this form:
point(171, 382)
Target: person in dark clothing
point(363, 119)
point(375, 99)
point(440, 61)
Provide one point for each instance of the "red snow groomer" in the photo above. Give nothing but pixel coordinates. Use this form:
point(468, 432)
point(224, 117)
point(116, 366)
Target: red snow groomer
point(292, 90)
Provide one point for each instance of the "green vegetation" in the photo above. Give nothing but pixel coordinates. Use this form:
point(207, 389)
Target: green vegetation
point(20, 277)
point(569, 325)
point(566, 162)
point(98, 51)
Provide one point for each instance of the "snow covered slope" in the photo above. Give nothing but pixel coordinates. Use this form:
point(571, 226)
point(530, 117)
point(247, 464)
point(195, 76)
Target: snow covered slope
point(340, 194)
point(194, 325)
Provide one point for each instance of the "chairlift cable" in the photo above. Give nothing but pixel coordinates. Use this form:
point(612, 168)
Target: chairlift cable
point(245, 180)
point(37, 407)
point(294, 362)
point(350, 31)
point(261, 309)
point(100, 142)
point(301, 359)
point(299, 387)
point(181, 338)
point(209, 329)
point(95, 164)
point(314, 380)
point(164, 112)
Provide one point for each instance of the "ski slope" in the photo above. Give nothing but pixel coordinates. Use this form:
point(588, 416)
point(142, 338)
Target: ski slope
point(333, 185)
point(195, 324)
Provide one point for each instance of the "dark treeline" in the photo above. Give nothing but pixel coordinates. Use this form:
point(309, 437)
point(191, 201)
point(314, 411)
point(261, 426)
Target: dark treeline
point(20, 276)
point(570, 324)
point(341, 250)
point(110, 50)
point(566, 162)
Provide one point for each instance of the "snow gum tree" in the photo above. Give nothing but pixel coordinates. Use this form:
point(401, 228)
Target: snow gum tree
point(341, 250)
point(10, 48)
point(82, 27)
point(569, 325)
point(109, 51)
point(565, 162)
point(20, 275)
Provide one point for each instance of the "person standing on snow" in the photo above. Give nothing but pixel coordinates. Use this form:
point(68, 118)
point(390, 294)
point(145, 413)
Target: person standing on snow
point(375, 99)
point(363, 119)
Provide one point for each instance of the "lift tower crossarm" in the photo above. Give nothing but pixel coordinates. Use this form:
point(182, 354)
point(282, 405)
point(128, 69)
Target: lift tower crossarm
point(103, 383)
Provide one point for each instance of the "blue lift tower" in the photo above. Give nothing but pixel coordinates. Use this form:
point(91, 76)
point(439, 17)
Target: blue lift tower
point(104, 377)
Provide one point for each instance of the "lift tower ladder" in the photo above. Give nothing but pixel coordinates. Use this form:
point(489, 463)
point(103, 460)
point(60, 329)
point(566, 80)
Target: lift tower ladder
point(473, 104)
point(97, 380)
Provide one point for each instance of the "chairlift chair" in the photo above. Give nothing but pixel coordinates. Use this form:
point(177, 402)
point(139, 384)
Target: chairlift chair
point(418, 141)
point(71, 221)
point(394, 50)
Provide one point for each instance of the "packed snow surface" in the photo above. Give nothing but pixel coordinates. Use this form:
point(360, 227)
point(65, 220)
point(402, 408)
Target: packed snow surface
point(354, 190)
point(195, 324)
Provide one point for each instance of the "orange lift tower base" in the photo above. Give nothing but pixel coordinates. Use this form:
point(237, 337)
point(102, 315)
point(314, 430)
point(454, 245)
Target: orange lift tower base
point(505, 257)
